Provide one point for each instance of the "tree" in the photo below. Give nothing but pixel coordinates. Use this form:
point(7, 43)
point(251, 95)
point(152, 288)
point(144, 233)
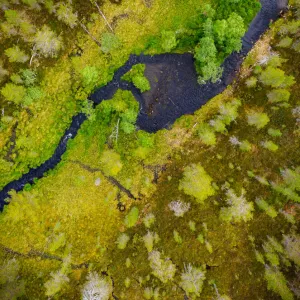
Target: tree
point(192, 280)
point(257, 119)
point(276, 78)
point(46, 42)
point(97, 287)
point(13, 93)
point(239, 208)
point(132, 217)
point(163, 269)
point(207, 134)
point(65, 14)
point(15, 54)
point(168, 40)
point(196, 182)
point(234, 32)
point(206, 50)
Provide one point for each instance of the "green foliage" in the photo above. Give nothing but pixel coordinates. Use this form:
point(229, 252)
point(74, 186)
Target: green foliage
point(122, 241)
point(207, 134)
point(149, 220)
point(141, 83)
point(239, 208)
point(276, 78)
point(263, 205)
point(270, 146)
point(192, 280)
point(277, 283)
point(274, 132)
point(109, 42)
point(163, 269)
point(285, 42)
point(278, 95)
point(33, 94)
point(257, 119)
point(150, 238)
point(137, 77)
point(111, 162)
point(13, 93)
point(132, 217)
point(90, 78)
point(245, 146)
point(65, 14)
point(177, 237)
point(251, 82)
point(168, 40)
point(28, 77)
point(197, 183)
point(15, 54)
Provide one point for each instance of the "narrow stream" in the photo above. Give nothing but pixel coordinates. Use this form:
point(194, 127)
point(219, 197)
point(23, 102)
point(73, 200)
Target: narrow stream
point(176, 94)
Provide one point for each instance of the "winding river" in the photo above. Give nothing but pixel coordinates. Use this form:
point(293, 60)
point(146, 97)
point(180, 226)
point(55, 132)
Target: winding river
point(177, 92)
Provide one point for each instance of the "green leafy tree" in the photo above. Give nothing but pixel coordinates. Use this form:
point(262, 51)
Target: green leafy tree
point(275, 77)
point(168, 40)
point(13, 93)
point(257, 119)
point(206, 50)
point(278, 95)
point(15, 54)
point(197, 183)
point(90, 77)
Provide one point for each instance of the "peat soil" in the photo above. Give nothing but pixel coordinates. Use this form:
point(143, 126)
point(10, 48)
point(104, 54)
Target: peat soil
point(174, 90)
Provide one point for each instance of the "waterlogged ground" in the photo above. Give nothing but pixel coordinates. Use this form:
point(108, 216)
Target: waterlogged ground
point(70, 222)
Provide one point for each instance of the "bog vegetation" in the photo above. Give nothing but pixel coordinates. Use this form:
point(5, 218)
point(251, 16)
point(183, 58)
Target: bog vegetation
point(209, 209)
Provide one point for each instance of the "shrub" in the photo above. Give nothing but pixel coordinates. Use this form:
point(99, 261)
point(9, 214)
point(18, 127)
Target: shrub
point(122, 241)
point(269, 145)
point(286, 42)
point(207, 134)
point(111, 162)
point(149, 220)
point(245, 146)
point(149, 239)
point(109, 42)
point(259, 120)
point(90, 77)
point(239, 208)
point(163, 269)
point(177, 237)
point(274, 132)
point(137, 77)
point(179, 208)
point(97, 287)
point(9, 271)
point(15, 54)
point(218, 125)
point(192, 280)
point(278, 95)
point(196, 182)
point(168, 40)
point(251, 82)
point(132, 217)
